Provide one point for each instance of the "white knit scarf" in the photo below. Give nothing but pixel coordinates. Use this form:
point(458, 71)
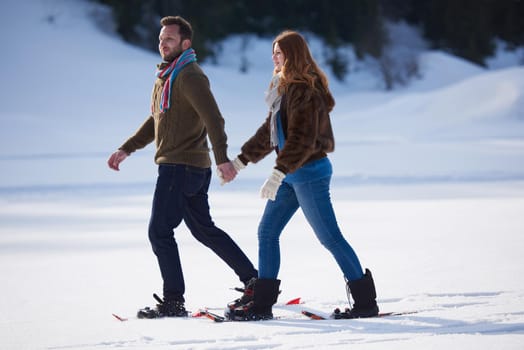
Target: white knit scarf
point(273, 99)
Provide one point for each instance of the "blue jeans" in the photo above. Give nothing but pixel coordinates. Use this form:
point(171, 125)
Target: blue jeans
point(314, 199)
point(181, 194)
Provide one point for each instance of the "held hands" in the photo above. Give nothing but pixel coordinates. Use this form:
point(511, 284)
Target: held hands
point(116, 158)
point(228, 171)
point(270, 187)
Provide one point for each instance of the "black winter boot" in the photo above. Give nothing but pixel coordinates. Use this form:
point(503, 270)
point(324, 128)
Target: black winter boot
point(265, 295)
point(247, 296)
point(364, 294)
point(164, 308)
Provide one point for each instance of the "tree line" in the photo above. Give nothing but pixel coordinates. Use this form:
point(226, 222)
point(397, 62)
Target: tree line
point(465, 28)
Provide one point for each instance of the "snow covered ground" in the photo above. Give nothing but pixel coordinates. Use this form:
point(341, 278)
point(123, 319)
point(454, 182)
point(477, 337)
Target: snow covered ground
point(428, 188)
point(68, 262)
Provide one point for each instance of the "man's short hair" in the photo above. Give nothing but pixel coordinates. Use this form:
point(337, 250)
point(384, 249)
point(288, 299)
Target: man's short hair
point(184, 27)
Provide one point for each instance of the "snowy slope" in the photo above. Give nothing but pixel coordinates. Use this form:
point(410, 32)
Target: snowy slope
point(74, 93)
point(428, 188)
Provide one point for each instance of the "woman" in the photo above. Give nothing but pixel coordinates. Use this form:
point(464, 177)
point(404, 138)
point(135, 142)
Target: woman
point(299, 129)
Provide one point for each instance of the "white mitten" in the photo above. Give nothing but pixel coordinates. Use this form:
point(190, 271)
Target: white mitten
point(270, 187)
point(237, 163)
point(221, 177)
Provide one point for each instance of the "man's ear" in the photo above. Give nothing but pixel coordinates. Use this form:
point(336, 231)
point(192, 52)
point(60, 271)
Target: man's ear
point(186, 44)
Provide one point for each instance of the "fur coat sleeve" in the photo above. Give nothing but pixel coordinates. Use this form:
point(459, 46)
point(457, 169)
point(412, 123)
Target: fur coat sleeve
point(307, 127)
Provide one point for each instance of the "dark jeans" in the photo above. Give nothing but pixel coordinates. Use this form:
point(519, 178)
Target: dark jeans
point(181, 193)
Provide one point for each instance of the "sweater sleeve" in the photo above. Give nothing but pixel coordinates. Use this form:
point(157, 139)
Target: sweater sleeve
point(197, 91)
point(142, 137)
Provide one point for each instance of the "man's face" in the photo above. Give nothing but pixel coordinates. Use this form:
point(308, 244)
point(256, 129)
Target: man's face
point(170, 44)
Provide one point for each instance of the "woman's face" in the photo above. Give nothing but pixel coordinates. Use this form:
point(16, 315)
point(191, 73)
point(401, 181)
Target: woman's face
point(278, 58)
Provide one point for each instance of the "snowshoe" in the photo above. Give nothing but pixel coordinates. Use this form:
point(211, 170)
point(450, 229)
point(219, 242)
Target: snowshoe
point(164, 308)
point(247, 296)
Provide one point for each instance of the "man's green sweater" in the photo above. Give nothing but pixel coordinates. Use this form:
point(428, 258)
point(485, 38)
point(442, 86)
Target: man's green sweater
point(180, 133)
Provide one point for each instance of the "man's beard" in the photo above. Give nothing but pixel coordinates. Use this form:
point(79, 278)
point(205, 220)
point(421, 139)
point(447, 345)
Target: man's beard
point(173, 55)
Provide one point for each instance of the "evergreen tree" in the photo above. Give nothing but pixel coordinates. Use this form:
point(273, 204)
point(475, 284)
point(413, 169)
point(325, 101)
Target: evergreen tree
point(466, 28)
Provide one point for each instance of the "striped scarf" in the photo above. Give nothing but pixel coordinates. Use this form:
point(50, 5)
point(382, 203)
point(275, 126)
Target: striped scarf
point(171, 71)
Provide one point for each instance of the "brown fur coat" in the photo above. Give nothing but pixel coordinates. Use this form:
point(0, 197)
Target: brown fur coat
point(307, 127)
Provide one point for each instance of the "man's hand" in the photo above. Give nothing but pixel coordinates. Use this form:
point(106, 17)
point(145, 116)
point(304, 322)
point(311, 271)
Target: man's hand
point(270, 187)
point(116, 158)
point(226, 171)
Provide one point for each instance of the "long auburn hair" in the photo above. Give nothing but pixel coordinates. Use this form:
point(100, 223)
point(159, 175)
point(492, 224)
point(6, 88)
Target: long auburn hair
point(299, 66)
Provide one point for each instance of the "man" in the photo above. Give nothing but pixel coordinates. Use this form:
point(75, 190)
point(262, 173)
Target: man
point(183, 114)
